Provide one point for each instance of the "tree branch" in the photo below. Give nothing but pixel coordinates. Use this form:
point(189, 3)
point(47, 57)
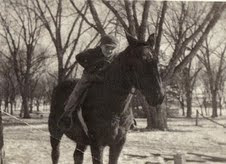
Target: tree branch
point(216, 12)
point(144, 21)
point(83, 16)
point(160, 27)
point(116, 13)
point(197, 46)
point(96, 17)
point(130, 17)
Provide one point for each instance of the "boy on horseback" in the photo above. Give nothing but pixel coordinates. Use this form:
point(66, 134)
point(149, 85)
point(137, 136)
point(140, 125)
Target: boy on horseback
point(95, 62)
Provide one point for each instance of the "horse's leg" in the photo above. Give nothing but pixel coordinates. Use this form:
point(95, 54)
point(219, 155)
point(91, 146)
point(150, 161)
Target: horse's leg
point(55, 137)
point(97, 154)
point(115, 151)
point(55, 143)
point(79, 153)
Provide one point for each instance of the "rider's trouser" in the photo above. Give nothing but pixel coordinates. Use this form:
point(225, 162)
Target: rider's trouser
point(77, 93)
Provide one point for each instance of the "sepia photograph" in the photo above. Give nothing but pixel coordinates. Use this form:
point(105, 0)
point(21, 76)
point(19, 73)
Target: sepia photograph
point(112, 82)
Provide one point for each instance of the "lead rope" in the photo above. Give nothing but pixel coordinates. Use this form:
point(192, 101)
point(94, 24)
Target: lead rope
point(30, 126)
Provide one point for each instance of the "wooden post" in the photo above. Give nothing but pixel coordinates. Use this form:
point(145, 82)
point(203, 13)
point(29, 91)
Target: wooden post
point(179, 159)
point(197, 118)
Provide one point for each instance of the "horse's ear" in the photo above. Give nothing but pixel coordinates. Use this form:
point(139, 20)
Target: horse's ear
point(151, 40)
point(131, 40)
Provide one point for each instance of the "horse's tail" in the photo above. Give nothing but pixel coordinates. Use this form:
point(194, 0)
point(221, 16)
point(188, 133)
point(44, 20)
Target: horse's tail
point(59, 97)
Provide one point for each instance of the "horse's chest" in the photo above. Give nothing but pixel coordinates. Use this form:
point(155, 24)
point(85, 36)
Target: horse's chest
point(108, 131)
point(110, 136)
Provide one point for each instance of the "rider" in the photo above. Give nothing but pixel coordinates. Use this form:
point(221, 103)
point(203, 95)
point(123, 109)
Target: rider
point(95, 62)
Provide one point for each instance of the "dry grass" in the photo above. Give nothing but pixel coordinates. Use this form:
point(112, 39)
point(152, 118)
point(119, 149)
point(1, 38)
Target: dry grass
point(30, 144)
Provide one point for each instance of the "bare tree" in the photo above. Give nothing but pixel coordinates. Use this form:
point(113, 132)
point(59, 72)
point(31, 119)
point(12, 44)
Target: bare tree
point(182, 35)
point(53, 15)
point(21, 31)
point(205, 91)
point(221, 96)
point(189, 79)
point(183, 39)
point(183, 25)
point(131, 22)
point(183, 85)
point(189, 23)
point(214, 70)
point(177, 90)
point(2, 153)
point(9, 85)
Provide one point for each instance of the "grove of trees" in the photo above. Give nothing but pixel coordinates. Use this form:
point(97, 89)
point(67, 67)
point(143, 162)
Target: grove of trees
point(40, 38)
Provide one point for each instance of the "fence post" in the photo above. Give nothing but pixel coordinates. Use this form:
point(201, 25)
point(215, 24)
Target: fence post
point(179, 158)
point(197, 118)
point(2, 153)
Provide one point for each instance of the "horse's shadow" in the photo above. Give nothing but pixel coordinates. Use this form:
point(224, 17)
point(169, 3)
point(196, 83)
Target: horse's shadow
point(138, 130)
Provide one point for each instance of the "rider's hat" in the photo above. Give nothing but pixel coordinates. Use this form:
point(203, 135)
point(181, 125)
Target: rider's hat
point(109, 40)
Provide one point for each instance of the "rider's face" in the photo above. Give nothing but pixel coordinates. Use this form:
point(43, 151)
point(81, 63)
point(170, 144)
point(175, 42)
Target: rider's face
point(107, 50)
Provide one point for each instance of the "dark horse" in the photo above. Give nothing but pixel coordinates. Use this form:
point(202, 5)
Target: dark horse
point(135, 67)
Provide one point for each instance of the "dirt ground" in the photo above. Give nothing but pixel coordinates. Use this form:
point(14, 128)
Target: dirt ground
point(206, 143)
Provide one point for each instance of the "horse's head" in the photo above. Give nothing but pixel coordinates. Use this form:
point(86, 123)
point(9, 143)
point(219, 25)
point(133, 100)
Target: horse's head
point(142, 69)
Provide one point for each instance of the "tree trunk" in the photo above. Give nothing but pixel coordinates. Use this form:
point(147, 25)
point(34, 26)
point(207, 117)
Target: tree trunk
point(61, 73)
point(214, 104)
point(21, 111)
point(44, 105)
point(202, 111)
point(15, 105)
point(189, 104)
point(221, 111)
point(37, 105)
point(205, 106)
point(25, 107)
point(182, 107)
point(156, 118)
point(11, 108)
point(31, 105)
point(6, 105)
point(220, 105)
point(2, 153)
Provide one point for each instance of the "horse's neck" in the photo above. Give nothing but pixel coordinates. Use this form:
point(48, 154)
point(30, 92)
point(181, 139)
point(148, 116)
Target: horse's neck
point(117, 79)
point(117, 86)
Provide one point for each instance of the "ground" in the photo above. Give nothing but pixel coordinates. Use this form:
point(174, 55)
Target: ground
point(29, 144)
